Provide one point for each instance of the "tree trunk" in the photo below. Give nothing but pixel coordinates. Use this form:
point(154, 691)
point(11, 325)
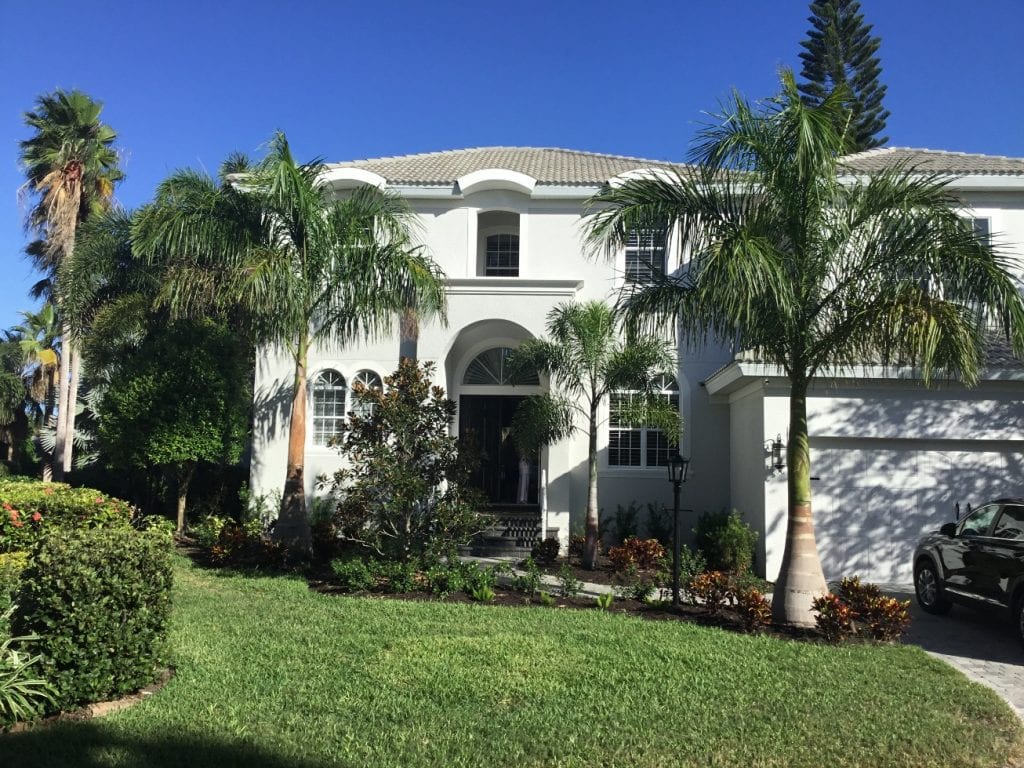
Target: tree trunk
point(590, 549)
point(292, 527)
point(409, 334)
point(69, 440)
point(184, 481)
point(800, 578)
point(63, 391)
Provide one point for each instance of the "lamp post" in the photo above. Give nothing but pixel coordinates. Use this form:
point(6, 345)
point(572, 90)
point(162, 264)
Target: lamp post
point(677, 468)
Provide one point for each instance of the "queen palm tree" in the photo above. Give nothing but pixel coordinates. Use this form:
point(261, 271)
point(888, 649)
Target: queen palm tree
point(816, 270)
point(38, 338)
point(71, 169)
point(587, 360)
point(304, 267)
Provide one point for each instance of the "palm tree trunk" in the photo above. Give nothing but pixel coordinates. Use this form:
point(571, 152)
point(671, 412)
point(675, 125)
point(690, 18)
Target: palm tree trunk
point(590, 548)
point(800, 578)
point(69, 440)
point(409, 334)
point(292, 527)
point(63, 391)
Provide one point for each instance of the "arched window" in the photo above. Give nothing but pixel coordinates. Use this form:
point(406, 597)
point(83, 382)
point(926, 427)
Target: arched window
point(328, 406)
point(370, 380)
point(635, 445)
point(490, 368)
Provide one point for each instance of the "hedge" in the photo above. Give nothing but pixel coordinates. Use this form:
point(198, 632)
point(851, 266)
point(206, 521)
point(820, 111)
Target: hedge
point(99, 599)
point(30, 508)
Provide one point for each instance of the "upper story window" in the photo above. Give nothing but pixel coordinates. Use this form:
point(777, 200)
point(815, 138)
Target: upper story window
point(497, 244)
point(328, 406)
point(371, 381)
point(502, 256)
point(635, 445)
point(982, 229)
point(645, 255)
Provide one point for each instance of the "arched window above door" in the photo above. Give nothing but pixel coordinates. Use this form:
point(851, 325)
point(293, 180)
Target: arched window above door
point(490, 368)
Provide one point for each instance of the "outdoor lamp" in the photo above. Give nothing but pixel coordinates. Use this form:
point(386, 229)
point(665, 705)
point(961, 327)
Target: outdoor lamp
point(774, 447)
point(677, 467)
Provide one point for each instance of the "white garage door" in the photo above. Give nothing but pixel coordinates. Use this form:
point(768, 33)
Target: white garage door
point(873, 499)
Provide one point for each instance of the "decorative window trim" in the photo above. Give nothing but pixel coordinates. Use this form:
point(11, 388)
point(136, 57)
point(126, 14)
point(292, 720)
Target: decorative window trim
point(328, 398)
point(633, 446)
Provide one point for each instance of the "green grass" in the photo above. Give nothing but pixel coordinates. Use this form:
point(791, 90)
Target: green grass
point(271, 674)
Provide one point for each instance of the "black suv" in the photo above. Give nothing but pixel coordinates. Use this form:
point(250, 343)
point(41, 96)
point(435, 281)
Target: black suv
point(978, 561)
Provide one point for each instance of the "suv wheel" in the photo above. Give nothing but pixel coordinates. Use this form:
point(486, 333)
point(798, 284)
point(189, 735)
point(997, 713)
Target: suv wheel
point(929, 590)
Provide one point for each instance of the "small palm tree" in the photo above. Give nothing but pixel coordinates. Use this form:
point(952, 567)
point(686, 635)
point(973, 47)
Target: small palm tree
point(586, 361)
point(71, 168)
point(817, 272)
point(273, 243)
point(37, 336)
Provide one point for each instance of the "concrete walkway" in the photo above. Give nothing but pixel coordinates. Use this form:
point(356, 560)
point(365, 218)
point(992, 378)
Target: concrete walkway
point(982, 645)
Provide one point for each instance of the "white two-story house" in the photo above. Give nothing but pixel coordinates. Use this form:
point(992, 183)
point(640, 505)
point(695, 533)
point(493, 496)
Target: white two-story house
point(506, 224)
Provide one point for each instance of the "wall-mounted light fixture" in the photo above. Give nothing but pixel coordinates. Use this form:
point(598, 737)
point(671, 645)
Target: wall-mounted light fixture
point(774, 449)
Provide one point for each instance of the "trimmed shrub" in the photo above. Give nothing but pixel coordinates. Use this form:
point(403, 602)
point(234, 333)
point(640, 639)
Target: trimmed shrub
point(713, 589)
point(643, 553)
point(834, 619)
point(353, 575)
point(754, 609)
point(546, 552)
point(883, 618)
point(31, 508)
point(99, 600)
point(726, 541)
point(443, 580)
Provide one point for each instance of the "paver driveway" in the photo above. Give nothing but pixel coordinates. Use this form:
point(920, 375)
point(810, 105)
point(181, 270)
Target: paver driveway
point(979, 644)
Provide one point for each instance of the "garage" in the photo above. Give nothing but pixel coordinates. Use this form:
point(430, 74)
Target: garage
point(874, 498)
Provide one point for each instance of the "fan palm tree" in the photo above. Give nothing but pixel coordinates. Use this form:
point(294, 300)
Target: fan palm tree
point(71, 168)
point(586, 361)
point(817, 271)
point(304, 267)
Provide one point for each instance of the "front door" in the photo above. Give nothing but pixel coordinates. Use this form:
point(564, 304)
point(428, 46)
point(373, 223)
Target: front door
point(486, 422)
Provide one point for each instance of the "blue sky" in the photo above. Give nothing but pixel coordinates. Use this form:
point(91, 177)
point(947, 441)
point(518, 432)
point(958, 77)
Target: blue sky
point(188, 82)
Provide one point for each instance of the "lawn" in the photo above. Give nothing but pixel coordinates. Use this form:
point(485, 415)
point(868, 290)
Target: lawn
point(272, 674)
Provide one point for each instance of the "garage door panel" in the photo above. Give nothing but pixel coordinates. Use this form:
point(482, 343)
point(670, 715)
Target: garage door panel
point(872, 504)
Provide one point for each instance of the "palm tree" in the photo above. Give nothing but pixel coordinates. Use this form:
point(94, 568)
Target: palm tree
point(71, 168)
point(37, 337)
point(817, 271)
point(586, 361)
point(273, 242)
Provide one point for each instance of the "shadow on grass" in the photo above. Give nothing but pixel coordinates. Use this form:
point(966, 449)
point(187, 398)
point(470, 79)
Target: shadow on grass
point(91, 745)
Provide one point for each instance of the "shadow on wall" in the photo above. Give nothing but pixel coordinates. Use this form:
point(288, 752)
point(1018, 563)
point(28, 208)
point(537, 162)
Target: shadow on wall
point(873, 495)
point(92, 744)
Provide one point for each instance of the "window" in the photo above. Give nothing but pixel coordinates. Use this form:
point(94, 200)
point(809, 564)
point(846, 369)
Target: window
point(977, 523)
point(982, 230)
point(645, 255)
point(328, 406)
point(490, 368)
point(1011, 524)
point(632, 445)
point(371, 381)
point(502, 256)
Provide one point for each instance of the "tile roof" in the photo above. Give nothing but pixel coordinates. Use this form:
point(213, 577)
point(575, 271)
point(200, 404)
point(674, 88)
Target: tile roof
point(934, 161)
point(547, 165)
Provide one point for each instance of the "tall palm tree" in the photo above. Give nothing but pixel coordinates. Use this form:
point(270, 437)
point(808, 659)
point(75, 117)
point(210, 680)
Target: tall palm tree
point(304, 267)
point(71, 168)
point(816, 270)
point(587, 360)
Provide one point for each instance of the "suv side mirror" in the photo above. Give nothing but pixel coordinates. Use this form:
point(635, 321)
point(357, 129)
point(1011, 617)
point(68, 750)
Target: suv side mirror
point(948, 529)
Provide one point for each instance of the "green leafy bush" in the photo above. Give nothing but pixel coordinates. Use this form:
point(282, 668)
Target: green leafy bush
point(631, 584)
point(643, 553)
point(567, 581)
point(399, 577)
point(443, 580)
point(605, 600)
point(691, 565)
point(12, 564)
point(23, 694)
point(482, 594)
point(474, 577)
point(726, 541)
point(624, 524)
point(659, 523)
point(546, 552)
point(99, 600)
point(31, 508)
point(353, 575)
point(207, 530)
point(246, 546)
point(529, 582)
point(577, 544)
